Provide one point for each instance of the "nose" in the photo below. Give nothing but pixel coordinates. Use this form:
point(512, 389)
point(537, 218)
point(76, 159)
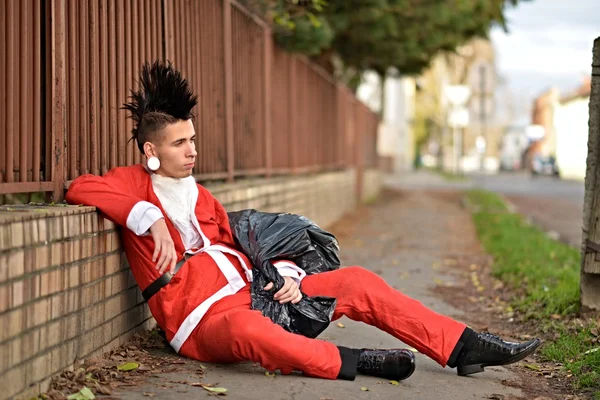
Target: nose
point(192, 150)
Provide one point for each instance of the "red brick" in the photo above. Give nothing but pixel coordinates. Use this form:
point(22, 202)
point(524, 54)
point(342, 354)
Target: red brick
point(74, 225)
point(56, 254)
point(13, 381)
point(57, 306)
point(15, 351)
point(119, 282)
point(4, 356)
point(73, 276)
point(16, 235)
point(41, 257)
point(112, 264)
point(40, 367)
point(51, 335)
point(3, 267)
point(38, 313)
point(77, 243)
point(5, 297)
point(17, 294)
point(14, 321)
point(29, 261)
point(16, 263)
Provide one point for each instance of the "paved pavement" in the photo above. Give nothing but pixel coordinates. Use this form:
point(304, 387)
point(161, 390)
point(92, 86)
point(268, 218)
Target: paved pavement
point(402, 238)
point(553, 204)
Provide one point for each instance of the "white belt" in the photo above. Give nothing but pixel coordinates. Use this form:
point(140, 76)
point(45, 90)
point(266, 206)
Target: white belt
point(235, 283)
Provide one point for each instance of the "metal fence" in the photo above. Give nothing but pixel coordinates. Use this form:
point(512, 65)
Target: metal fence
point(69, 66)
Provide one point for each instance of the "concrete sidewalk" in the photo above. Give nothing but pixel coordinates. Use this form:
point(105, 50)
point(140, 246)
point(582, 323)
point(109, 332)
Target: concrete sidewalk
point(402, 238)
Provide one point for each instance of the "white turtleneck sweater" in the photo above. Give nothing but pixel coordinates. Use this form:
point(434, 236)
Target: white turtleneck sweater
point(178, 198)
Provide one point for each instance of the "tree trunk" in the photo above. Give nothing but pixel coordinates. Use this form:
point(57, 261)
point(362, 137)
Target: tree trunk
point(590, 247)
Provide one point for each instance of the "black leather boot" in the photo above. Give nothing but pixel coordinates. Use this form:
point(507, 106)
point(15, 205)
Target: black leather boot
point(489, 350)
point(395, 364)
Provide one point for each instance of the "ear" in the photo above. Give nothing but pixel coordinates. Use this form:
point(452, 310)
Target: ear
point(150, 150)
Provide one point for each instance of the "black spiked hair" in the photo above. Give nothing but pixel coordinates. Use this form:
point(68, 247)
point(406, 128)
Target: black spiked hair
point(164, 97)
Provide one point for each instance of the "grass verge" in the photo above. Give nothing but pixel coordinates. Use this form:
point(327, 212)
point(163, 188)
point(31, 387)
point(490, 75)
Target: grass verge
point(449, 176)
point(544, 274)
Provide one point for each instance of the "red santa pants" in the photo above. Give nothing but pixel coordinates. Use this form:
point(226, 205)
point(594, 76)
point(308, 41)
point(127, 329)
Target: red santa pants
point(232, 332)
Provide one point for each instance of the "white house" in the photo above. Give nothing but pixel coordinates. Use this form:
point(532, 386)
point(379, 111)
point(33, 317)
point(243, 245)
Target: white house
point(571, 126)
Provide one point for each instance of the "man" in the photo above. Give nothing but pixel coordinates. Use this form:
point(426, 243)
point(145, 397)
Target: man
point(181, 251)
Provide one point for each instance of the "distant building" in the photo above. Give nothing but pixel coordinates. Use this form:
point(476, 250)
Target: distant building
point(571, 131)
point(395, 140)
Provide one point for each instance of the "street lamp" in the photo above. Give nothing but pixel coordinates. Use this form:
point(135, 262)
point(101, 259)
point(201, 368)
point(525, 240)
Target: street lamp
point(458, 117)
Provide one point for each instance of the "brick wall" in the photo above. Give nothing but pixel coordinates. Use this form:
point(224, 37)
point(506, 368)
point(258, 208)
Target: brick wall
point(66, 291)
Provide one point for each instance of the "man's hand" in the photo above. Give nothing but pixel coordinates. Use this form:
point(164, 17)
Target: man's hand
point(290, 292)
point(164, 248)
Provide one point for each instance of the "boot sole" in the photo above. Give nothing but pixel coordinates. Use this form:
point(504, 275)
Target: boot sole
point(464, 370)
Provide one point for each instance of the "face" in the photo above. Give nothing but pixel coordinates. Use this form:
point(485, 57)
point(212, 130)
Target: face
point(175, 148)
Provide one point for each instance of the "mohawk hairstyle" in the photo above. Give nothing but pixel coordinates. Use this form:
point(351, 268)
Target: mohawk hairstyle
point(165, 97)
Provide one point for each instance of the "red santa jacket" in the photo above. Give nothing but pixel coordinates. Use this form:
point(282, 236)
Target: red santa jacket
point(218, 270)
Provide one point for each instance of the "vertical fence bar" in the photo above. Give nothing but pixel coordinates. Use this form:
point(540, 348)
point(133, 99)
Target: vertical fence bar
point(24, 91)
point(267, 91)
point(37, 92)
point(104, 81)
point(93, 94)
point(169, 40)
point(227, 70)
point(122, 73)
point(10, 89)
point(58, 89)
point(292, 111)
point(73, 85)
point(113, 83)
point(84, 81)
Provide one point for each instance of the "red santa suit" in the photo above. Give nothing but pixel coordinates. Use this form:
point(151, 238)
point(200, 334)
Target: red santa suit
point(205, 309)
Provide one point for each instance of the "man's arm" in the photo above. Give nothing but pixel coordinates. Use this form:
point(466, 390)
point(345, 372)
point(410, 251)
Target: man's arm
point(113, 195)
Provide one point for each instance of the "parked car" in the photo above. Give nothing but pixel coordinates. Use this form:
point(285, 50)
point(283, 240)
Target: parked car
point(544, 165)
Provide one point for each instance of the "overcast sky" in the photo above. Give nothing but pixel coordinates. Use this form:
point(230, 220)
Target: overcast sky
point(549, 43)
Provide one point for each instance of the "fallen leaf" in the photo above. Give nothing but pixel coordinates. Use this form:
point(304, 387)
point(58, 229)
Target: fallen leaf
point(592, 351)
point(533, 367)
point(394, 382)
point(84, 394)
point(130, 366)
point(412, 349)
point(217, 390)
point(149, 394)
point(496, 396)
point(102, 389)
point(364, 389)
point(555, 316)
point(340, 325)
point(269, 374)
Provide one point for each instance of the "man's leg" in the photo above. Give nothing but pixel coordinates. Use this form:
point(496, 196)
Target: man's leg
point(241, 334)
point(364, 296)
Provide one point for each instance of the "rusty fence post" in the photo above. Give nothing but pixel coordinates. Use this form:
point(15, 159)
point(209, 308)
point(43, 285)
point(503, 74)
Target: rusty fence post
point(267, 65)
point(358, 127)
point(57, 87)
point(292, 113)
point(228, 73)
point(590, 251)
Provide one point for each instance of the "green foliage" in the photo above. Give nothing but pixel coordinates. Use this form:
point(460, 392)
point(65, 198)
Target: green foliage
point(380, 34)
point(545, 272)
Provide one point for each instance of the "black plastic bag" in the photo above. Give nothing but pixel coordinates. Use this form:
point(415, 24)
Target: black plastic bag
point(267, 237)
